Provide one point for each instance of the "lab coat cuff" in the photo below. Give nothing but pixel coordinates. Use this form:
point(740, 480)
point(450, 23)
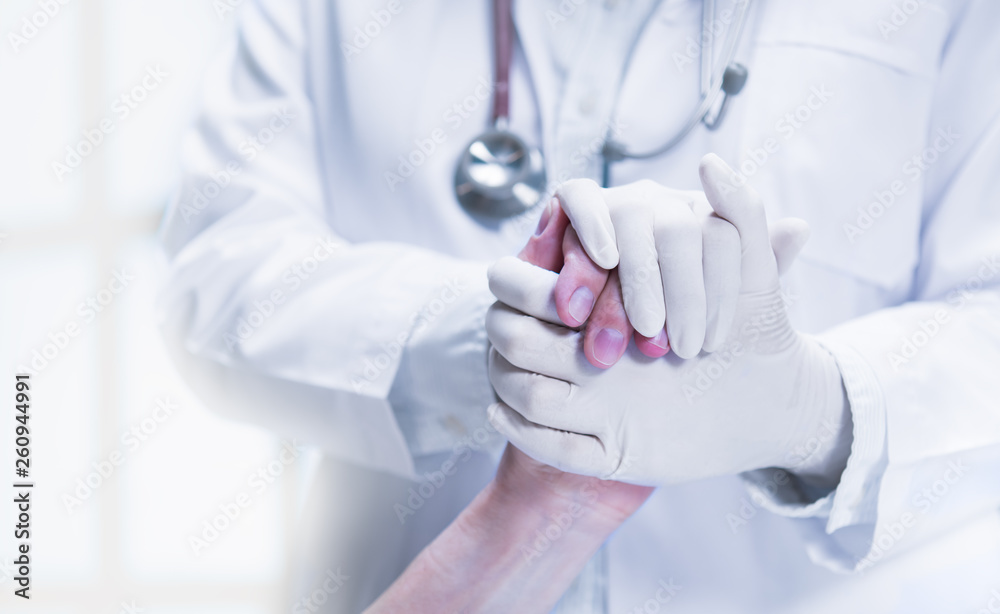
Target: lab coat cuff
point(441, 391)
point(775, 490)
point(855, 499)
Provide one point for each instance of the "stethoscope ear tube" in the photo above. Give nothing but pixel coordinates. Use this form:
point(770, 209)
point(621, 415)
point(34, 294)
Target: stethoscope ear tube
point(729, 83)
point(733, 81)
point(498, 174)
point(503, 43)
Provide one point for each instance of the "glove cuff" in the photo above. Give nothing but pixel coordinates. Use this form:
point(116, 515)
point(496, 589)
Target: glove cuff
point(820, 441)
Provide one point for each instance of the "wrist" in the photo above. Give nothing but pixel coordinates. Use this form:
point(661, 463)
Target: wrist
point(529, 488)
point(505, 553)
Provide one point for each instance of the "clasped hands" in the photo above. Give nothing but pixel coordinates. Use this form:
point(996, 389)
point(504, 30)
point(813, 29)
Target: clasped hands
point(595, 421)
point(692, 272)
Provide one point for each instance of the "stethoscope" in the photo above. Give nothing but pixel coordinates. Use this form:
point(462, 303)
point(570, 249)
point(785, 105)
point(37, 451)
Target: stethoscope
point(499, 175)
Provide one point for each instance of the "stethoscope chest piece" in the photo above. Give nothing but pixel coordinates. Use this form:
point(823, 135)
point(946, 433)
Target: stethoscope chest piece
point(499, 175)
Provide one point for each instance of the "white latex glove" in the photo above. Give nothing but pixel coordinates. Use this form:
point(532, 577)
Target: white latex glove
point(679, 264)
point(654, 421)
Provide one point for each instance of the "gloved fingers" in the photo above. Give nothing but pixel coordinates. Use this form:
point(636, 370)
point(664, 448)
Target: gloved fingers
point(735, 201)
point(540, 399)
point(638, 269)
point(525, 287)
point(564, 450)
point(535, 346)
point(655, 346)
point(722, 265)
point(583, 201)
point(678, 236)
point(580, 282)
point(544, 248)
point(788, 237)
point(608, 330)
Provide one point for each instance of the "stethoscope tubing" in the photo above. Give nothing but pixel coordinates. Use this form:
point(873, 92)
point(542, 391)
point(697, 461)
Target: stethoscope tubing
point(614, 152)
point(715, 81)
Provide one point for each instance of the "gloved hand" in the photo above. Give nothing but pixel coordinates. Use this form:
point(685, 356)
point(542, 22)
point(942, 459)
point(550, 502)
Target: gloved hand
point(676, 261)
point(524, 482)
point(657, 422)
point(583, 292)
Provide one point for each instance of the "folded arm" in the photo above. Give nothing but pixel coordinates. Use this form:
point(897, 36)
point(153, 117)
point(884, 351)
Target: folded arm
point(261, 282)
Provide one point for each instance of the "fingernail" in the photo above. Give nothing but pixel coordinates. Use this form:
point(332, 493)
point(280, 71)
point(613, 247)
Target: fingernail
point(660, 340)
point(580, 304)
point(608, 346)
point(543, 222)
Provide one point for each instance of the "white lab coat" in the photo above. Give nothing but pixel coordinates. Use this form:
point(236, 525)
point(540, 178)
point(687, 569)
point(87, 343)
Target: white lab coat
point(876, 121)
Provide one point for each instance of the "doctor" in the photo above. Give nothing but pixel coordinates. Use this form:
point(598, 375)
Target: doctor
point(327, 273)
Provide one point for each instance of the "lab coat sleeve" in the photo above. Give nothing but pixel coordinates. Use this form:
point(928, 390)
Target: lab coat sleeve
point(260, 283)
point(921, 378)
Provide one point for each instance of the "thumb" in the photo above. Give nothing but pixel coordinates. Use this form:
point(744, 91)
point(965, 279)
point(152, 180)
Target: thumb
point(545, 247)
point(735, 201)
point(788, 237)
point(583, 201)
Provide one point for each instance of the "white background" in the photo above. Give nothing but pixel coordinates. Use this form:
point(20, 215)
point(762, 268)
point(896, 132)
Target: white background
point(60, 243)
